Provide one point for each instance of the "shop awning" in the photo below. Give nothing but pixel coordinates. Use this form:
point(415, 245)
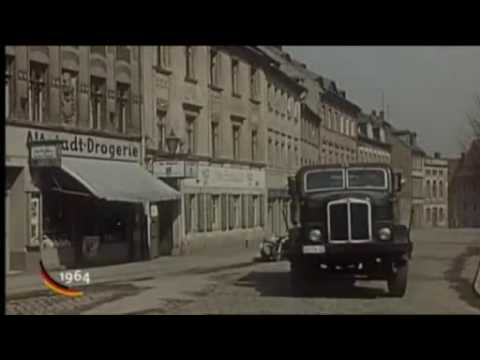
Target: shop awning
point(118, 181)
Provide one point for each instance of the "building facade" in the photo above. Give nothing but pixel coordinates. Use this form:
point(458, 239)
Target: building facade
point(464, 189)
point(214, 101)
point(436, 191)
point(373, 139)
point(408, 159)
point(87, 100)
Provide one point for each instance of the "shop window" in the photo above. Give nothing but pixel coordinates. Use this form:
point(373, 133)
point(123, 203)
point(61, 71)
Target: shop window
point(98, 102)
point(223, 212)
point(235, 77)
point(215, 209)
point(271, 216)
point(201, 212)
point(69, 96)
point(123, 106)
point(244, 211)
point(189, 213)
point(37, 92)
point(262, 210)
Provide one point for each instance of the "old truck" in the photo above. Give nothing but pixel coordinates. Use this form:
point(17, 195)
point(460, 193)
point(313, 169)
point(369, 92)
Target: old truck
point(345, 223)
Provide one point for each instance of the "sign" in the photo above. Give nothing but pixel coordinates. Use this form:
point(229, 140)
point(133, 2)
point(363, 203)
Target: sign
point(175, 169)
point(45, 153)
point(217, 176)
point(19, 138)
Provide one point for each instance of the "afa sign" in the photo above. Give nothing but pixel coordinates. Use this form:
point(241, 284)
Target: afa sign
point(45, 153)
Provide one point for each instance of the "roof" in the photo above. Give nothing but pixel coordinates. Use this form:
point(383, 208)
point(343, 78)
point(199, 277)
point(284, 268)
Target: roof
point(415, 148)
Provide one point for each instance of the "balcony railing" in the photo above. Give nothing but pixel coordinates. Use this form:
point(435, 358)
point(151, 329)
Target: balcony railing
point(123, 53)
point(99, 50)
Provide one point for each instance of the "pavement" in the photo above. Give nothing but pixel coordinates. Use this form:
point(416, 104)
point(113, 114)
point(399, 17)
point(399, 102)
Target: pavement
point(441, 276)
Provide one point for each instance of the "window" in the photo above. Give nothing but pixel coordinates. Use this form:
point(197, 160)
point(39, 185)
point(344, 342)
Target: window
point(236, 141)
point(254, 145)
point(99, 50)
point(98, 102)
point(441, 215)
point(123, 53)
point(254, 83)
point(191, 134)
point(69, 96)
point(235, 77)
point(163, 57)
point(429, 215)
point(223, 212)
point(235, 212)
point(215, 139)
point(428, 172)
point(189, 212)
point(215, 70)
point(434, 189)
point(123, 106)
point(201, 212)
point(189, 62)
point(9, 85)
point(215, 219)
point(376, 134)
point(161, 130)
point(270, 152)
point(37, 92)
point(440, 189)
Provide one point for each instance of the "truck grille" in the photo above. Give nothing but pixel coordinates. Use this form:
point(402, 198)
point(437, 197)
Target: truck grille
point(349, 220)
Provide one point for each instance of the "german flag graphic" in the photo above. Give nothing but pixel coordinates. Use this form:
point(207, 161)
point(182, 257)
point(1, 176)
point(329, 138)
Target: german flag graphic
point(55, 286)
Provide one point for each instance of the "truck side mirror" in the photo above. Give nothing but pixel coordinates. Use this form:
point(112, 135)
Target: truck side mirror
point(399, 181)
point(292, 187)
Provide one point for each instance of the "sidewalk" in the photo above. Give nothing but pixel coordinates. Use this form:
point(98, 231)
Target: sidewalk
point(20, 285)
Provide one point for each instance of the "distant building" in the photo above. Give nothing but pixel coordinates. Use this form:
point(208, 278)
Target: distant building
point(408, 159)
point(464, 192)
point(373, 139)
point(436, 191)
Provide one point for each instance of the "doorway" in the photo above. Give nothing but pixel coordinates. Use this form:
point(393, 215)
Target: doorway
point(162, 229)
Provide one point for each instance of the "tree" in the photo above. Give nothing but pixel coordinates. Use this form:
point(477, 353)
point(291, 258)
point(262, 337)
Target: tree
point(474, 118)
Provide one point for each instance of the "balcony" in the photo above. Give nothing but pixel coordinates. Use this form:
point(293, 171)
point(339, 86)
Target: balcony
point(123, 53)
point(99, 50)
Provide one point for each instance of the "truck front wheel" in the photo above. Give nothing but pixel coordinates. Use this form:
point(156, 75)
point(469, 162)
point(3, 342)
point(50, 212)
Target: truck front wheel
point(397, 280)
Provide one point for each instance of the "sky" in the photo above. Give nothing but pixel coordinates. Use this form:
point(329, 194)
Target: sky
point(427, 89)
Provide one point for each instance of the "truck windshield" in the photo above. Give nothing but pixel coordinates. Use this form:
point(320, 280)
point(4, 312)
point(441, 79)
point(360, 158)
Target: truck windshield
point(367, 178)
point(324, 180)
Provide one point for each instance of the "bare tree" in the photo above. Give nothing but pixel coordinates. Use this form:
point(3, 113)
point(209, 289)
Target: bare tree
point(474, 118)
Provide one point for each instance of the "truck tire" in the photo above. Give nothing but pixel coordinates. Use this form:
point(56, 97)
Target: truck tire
point(397, 280)
point(299, 278)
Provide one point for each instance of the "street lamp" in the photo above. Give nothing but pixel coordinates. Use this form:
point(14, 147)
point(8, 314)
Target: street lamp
point(172, 142)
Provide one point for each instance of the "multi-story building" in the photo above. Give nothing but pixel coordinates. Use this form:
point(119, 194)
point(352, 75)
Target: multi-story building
point(464, 189)
point(373, 143)
point(408, 159)
point(82, 194)
point(237, 120)
point(339, 128)
point(436, 191)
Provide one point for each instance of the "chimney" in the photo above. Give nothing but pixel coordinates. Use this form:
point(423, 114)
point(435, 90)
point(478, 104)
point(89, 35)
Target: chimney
point(437, 155)
point(374, 113)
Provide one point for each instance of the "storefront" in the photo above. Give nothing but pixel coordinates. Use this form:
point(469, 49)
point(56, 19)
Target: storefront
point(91, 203)
point(223, 206)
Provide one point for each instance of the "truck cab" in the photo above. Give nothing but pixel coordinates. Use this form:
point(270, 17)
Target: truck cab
point(345, 223)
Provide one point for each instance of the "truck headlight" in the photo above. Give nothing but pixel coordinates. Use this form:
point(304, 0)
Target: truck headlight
point(385, 234)
point(315, 235)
